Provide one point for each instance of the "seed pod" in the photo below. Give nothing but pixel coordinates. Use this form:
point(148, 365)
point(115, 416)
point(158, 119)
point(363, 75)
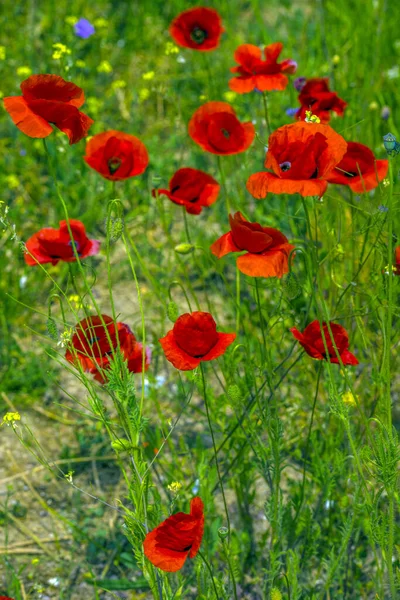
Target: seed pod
point(184, 248)
point(52, 329)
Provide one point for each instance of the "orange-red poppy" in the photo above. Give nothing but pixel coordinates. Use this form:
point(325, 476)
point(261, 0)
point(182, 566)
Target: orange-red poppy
point(258, 73)
point(50, 245)
point(316, 96)
point(193, 339)
point(49, 100)
point(116, 155)
point(267, 249)
point(192, 189)
point(168, 545)
point(301, 156)
point(396, 266)
point(359, 169)
point(197, 28)
point(313, 343)
point(94, 341)
point(216, 128)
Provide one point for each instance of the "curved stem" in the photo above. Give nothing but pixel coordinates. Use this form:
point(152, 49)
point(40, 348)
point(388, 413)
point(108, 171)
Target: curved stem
point(210, 571)
point(265, 102)
point(185, 220)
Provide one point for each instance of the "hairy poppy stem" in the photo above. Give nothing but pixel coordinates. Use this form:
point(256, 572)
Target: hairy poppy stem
point(237, 301)
point(210, 571)
point(215, 450)
point(223, 184)
point(185, 220)
point(389, 299)
point(265, 102)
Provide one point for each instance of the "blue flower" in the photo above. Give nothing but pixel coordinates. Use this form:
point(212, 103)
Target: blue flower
point(291, 111)
point(84, 29)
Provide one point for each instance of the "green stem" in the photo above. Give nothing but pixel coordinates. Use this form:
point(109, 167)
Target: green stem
point(185, 220)
point(210, 571)
point(390, 300)
point(237, 301)
point(215, 450)
point(389, 553)
point(265, 102)
point(232, 574)
point(223, 185)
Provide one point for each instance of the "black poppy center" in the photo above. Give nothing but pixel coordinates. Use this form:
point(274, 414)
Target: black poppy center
point(285, 166)
point(198, 35)
point(114, 164)
point(350, 174)
point(92, 340)
point(226, 133)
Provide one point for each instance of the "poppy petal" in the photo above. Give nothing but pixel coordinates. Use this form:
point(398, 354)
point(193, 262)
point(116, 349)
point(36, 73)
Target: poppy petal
point(269, 264)
point(247, 54)
point(266, 83)
point(178, 357)
point(242, 85)
point(163, 558)
point(224, 341)
point(273, 51)
point(25, 119)
point(224, 245)
point(52, 87)
point(260, 184)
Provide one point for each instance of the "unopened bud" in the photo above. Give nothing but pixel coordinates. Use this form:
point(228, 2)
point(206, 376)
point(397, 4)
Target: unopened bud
point(184, 248)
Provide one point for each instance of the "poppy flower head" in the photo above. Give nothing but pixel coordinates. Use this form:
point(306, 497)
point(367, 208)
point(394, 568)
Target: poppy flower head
point(267, 249)
point(97, 338)
point(197, 28)
point(301, 156)
point(192, 189)
point(254, 72)
point(52, 245)
point(216, 129)
point(396, 266)
point(168, 545)
point(49, 100)
point(116, 155)
point(315, 95)
point(313, 342)
point(359, 169)
point(193, 339)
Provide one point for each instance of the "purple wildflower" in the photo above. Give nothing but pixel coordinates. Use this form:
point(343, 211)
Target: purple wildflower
point(299, 83)
point(84, 29)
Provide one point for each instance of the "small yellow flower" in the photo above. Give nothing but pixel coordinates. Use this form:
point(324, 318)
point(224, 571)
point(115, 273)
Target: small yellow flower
point(100, 22)
point(35, 561)
point(144, 93)
point(80, 64)
point(170, 48)
point(12, 181)
point(148, 76)
point(104, 67)
point(386, 182)
point(203, 98)
point(71, 20)
point(230, 96)
point(349, 399)
point(336, 59)
point(60, 50)
point(2, 52)
point(10, 418)
point(118, 84)
point(24, 71)
point(174, 487)
point(65, 338)
point(1, 94)
point(373, 106)
point(310, 118)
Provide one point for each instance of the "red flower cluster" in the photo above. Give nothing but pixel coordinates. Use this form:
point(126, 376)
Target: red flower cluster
point(215, 128)
point(97, 338)
point(168, 545)
point(359, 169)
point(256, 73)
point(267, 249)
point(302, 157)
point(194, 339)
point(49, 100)
point(197, 28)
point(316, 96)
point(50, 245)
point(116, 155)
point(192, 189)
point(313, 343)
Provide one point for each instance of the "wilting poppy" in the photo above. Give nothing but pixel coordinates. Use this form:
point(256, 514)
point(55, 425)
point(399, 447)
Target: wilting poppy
point(94, 341)
point(267, 249)
point(312, 341)
point(215, 128)
point(254, 72)
point(193, 339)
point(192, 189)
point(301, 156)
point(50, 245)
point(359, 169)
point(316, 96)
point(168, 545)
point(49, 100)
point(197, 28)
point(116, 155)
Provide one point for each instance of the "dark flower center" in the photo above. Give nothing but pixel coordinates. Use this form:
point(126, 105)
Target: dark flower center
point(225, 133)
point(75, 243)
point(113, 164)
point(198, 35)
point(285, 166)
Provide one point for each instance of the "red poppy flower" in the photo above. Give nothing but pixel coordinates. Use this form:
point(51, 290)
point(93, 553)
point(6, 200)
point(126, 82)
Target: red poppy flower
point(396, 266)
point(215, 128)
point(301, 156)
point(49, 100)
point(359, 169)
point(168, 545)
point(192, 189)
point(197, 28)
point(254, 72)
point(193, 339)
point(317, 97)
point(116, 155)
point(312, 341)
point(52, 245)
point(267, 249)
point(94, 342)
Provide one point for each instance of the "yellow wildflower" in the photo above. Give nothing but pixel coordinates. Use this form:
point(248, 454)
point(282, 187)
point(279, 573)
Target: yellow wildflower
point(144, 93)
point(148, 76)
point(336, 59)
point(170, 48)
point(10, 418)
point(373, 106)
point(118, 84)
point(12, 181)
point(104, 67)
point(310, 118)
point(71, 20)
point(80, 64)
point(60, 50)
point(2, 52)
point(349, 399)
point(174, 487)
point(230, 96)
point(24, 71)
point(100, 22)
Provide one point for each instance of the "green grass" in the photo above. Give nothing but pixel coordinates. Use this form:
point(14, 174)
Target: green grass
point(310, 483)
